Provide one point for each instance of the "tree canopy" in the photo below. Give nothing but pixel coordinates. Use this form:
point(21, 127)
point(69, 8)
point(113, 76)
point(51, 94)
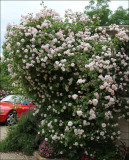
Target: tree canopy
point(120, 16)
point(101, 9)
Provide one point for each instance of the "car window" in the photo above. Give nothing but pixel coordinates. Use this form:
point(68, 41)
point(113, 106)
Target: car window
point(7, 99)
point(25, 102)
point(15, 99)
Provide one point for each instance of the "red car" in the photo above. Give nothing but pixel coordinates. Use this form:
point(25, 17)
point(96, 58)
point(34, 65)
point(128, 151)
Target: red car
point(12, 107)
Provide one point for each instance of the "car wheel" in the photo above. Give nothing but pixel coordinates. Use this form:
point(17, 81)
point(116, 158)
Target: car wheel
point(11, 118)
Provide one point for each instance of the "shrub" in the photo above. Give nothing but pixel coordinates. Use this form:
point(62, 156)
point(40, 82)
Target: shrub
point(3, 94)
point(75, 73)
point(21, 136)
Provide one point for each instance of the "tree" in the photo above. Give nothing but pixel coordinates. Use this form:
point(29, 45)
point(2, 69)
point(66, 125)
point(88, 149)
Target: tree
point(120, 16)
point(107, 17)
point(100, 9)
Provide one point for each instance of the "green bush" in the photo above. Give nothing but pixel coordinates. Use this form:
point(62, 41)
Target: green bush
point(21, 136)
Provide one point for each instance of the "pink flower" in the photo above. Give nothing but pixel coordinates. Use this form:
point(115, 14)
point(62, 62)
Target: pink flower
point(107, 97)
point(102, 87)
point(96, 95)
point(90, 101)
point(114, 87)
point(63, 69)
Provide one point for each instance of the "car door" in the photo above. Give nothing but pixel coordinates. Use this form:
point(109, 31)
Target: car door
point(22, 108)
point(25, 107)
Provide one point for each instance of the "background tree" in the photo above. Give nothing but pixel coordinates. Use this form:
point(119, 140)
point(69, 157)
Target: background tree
point(100, 8)
point(120, 16)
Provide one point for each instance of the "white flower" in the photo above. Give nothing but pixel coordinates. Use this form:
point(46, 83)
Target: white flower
point(45, 115)
point(76, 131)
point(8, 26)
point(84, 122)
point(79, 113)
point(103, 125)
point(92, 114)
point(54, 137)
point(100, 28)
point(80, 131)
point(57, 62)
point(112, 99)
point(91, 111)
point(49, 125)
point(102, 133)
point(81, 81)
point(22, 40)
point(55, 120)
point(2, 59)
point(74, 96)
point(18, 44)
point(72, 64)
point(95, 102)
point(63, 60)
point(26, 50)
point(70, 123)
point(76, 143)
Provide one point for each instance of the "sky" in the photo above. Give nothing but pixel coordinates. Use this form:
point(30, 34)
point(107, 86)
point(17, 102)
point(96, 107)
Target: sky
point(11, 11)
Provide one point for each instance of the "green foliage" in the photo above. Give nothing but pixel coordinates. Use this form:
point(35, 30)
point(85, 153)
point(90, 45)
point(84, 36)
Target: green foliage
point(120, 16)
point(21, 136)
point(5, 83)
point(100, 8)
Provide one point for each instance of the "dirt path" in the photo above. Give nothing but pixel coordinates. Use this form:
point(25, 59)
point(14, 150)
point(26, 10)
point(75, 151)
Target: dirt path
point(11, 155)
point(3, 132)
point(15, 156)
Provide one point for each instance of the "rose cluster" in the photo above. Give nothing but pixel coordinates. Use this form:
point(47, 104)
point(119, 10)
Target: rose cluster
point(75, 72)
point(46, 150)
point(85, 157)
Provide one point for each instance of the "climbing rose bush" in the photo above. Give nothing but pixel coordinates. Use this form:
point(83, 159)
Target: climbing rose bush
point(75, 72)
point(3, 94)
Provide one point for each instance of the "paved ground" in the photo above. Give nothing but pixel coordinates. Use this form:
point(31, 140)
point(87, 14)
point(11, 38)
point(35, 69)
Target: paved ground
point(10, 155)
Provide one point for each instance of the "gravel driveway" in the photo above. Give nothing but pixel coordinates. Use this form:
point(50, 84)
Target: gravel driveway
point(11, 155)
